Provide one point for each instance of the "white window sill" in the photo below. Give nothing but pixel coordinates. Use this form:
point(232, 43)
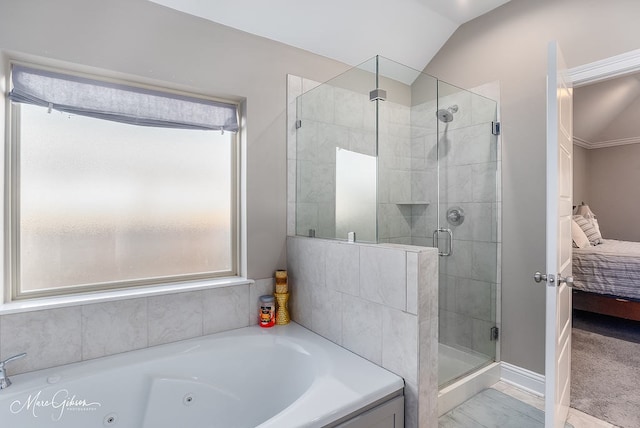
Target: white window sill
point(111, 295)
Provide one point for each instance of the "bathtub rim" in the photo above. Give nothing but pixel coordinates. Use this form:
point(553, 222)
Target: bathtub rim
point(31, 381)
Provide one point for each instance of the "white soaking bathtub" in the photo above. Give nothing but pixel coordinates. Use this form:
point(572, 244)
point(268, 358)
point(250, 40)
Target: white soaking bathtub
point(285, 376)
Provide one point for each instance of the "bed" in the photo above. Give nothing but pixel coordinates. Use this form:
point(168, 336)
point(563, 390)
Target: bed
point(607, 278)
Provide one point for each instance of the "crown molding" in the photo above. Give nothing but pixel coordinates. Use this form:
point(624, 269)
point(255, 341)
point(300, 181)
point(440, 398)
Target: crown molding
point(582, 143)
point(615, 66)
point(603, 144)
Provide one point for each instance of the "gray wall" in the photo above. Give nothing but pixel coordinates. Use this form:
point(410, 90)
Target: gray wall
point(147, 40)
point(165, 47)
point(614, 174)
point(580, 175)
point(509, 44)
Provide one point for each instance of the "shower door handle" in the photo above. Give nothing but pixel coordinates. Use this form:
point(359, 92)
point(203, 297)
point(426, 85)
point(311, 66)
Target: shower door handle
point(449, 250)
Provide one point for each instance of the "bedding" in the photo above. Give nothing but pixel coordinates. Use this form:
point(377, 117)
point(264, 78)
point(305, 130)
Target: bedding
point(610, 268)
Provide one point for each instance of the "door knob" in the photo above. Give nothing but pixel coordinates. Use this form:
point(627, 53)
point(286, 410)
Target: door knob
point(540, 277)
point(567, 280)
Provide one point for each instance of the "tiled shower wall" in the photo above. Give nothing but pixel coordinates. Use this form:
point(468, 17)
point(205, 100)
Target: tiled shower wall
point(410, 142)
point(408, 203)
point(379, 301)
point(395, 197)
point(333, 117)
point(54, 337)
point(470, 169)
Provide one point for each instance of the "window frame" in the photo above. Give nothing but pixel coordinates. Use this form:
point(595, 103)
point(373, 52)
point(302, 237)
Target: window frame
point(13, 292)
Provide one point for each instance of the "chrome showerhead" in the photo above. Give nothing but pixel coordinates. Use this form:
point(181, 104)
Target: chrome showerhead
point(446, 116)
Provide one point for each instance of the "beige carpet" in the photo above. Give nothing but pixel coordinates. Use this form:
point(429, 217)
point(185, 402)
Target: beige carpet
point(606, 372)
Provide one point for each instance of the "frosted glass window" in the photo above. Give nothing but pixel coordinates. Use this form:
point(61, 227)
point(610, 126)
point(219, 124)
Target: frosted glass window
point(106, 204)
point(355, 195)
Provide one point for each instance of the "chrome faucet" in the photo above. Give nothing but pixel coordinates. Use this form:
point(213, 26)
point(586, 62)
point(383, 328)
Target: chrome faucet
point(4, 380)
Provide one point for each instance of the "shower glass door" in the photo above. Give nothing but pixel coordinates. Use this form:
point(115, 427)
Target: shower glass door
point(388, 154)
point(468, 239)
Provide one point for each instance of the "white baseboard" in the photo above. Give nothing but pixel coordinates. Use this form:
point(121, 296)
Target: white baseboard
point(522, 378)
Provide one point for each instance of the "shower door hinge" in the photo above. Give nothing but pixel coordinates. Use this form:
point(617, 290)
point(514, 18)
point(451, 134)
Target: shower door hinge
point(495, 128)
point(298, 124)
point(495, 333)
point(378, 94)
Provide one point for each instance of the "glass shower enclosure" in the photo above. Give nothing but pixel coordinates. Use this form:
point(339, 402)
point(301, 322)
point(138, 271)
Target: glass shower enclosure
point(388, 154)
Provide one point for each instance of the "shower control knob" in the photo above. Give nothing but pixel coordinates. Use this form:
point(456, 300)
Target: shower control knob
point(455, 216)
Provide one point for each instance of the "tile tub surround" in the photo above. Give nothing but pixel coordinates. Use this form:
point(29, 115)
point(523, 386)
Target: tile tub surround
point(379, 301)
point(53, 337)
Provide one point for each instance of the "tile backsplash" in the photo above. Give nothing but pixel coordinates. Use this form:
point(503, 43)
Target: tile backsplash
point(53, 337)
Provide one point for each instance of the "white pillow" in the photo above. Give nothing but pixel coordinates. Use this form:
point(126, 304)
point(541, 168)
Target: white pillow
point(580, 239)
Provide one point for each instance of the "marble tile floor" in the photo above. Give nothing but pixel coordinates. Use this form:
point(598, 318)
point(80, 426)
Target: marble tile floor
point(501, 411)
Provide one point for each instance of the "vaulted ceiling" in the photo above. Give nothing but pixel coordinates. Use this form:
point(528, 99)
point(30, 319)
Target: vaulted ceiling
point(407, 31)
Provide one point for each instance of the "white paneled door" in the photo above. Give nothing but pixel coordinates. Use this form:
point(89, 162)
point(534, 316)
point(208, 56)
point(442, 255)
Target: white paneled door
point(559, 209)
